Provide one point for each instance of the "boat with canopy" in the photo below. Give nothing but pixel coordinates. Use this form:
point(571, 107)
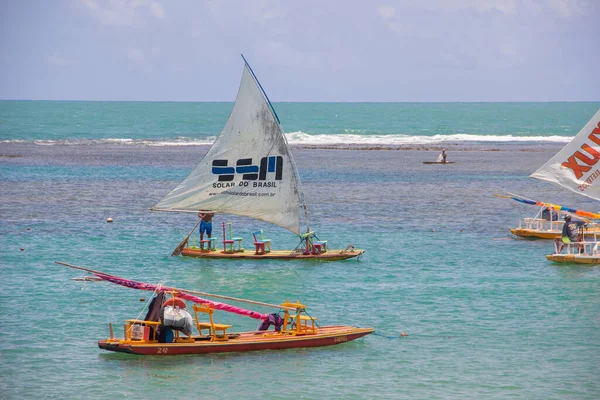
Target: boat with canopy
point(547, 223)
point(575, 167)
point(168, 328)
point(249, 171)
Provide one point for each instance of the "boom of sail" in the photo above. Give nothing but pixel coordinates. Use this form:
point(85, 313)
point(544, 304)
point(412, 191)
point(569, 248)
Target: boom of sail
point(248, 171)
point(575, 166)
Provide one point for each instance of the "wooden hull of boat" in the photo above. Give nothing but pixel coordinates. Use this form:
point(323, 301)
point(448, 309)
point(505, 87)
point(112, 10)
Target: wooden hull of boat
point(247, 341)
point(329, 255)
point(535, 233)
point(541, 234)
point(574, 258)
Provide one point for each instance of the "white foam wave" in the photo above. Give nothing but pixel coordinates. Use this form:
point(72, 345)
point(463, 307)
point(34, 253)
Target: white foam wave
point(302, 138)
point(349, 139)
point(180, 141)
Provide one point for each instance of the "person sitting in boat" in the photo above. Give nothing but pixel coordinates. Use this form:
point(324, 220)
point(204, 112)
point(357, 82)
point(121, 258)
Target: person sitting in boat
point(570, 232)
point(174, 316)
point(549, 214)
point(272, 319)
point(205, 223)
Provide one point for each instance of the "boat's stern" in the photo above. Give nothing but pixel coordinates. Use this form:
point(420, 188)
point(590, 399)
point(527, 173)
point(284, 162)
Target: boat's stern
point(114, 345)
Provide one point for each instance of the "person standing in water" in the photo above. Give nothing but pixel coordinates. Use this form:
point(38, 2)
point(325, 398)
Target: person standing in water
point(205, 224)
point(443, 161)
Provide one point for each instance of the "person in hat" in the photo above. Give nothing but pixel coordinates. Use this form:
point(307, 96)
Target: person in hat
point(549, 214)
point(570, 232)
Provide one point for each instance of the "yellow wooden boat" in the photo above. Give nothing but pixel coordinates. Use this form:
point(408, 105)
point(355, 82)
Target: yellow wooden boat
point(585, 252)
point(249, 171)
point(538, 228)
point(167, 328)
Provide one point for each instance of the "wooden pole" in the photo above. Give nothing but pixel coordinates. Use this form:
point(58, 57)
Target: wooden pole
point(181, 245)
point(185, 290)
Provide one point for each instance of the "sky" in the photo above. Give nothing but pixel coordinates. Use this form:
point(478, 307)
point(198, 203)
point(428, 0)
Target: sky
point(301, 51)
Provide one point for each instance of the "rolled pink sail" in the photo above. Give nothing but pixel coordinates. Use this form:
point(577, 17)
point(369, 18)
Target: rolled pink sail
point(151, 287)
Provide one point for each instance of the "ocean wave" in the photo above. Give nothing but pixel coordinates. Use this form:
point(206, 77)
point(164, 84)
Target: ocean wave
point(348, 139)
point(164, 142)
point(302, 138)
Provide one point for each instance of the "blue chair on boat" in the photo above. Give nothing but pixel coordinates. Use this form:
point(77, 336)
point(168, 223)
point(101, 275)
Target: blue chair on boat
point(210, 244)
point(313, 244)
point(262, 245)
point(229, 242)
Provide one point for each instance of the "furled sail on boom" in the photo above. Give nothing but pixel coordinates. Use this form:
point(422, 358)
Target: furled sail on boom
point(248, 171)
point(576, 167)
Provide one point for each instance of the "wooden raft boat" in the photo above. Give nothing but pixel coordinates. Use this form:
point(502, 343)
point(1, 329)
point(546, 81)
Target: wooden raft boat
point(242, 342)
point(249, 171)
point(167, 327)
point(329, 255)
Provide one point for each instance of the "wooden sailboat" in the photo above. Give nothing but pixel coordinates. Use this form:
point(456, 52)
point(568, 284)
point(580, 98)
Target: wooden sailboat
point(576, 168)
point(250, 171)
point(172, 334)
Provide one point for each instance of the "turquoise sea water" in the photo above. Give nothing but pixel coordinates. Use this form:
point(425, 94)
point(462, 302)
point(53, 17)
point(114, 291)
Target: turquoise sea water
point(487, 316)
point(163, 124)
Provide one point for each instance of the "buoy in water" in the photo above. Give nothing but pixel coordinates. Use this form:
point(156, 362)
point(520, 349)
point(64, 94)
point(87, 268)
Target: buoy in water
point(109, 219)
point(403, 334)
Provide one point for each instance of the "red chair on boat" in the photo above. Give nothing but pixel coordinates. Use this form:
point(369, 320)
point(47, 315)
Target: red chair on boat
point(210, 244)
point(229, 241)
point(313, 244)
point(262, 245)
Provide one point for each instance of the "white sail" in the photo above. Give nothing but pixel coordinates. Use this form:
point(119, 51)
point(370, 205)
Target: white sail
point(248, 171)
point(576, 167)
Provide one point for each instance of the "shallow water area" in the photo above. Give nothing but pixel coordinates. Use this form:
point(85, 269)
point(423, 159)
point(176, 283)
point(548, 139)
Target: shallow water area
point(485, 313)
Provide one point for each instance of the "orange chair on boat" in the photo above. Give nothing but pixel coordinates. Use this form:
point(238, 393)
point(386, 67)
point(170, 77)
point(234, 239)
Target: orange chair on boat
point(299, 323)
point(210, 325)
